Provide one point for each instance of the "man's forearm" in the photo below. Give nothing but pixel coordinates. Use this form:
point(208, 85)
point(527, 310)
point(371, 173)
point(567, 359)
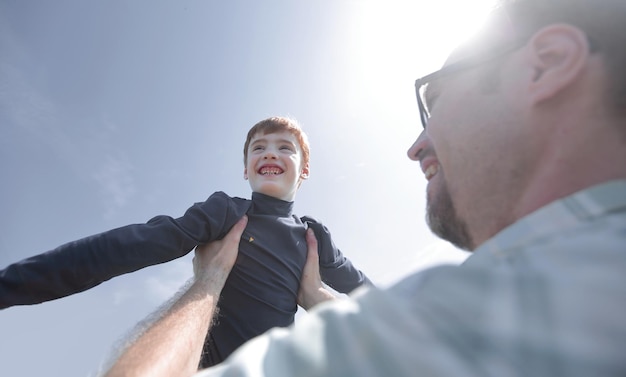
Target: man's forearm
point(173, 344)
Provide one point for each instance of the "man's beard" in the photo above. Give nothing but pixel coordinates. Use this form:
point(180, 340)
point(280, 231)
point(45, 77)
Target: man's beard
point(443, 220)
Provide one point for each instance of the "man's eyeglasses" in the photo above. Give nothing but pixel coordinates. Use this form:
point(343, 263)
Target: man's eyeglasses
point(459, 66)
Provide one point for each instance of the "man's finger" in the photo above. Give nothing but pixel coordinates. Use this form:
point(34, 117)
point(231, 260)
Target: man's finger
point(311, 241)
point(311, 268)
point(234, 235)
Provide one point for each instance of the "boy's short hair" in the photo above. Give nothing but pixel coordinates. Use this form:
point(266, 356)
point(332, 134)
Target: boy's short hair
point(279, 124)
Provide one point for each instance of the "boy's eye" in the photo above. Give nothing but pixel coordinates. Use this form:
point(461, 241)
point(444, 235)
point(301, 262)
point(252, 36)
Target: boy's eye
point(257, 148)
point(286, 147)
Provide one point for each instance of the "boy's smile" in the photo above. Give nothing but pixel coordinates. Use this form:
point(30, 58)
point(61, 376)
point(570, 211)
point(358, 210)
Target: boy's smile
point(274, 165)
point(270, 170)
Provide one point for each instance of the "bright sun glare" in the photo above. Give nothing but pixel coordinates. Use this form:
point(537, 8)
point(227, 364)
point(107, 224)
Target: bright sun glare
point(397, 41)
point(419, 33)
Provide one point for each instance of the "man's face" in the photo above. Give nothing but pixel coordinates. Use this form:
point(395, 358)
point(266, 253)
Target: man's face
point(470, 153)
point(274, 165)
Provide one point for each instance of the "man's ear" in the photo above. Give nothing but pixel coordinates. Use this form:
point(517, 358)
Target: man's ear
point(559, 54)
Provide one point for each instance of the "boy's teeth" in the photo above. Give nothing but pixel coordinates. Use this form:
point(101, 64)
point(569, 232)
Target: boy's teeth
point(272, 171)
point(431, 171)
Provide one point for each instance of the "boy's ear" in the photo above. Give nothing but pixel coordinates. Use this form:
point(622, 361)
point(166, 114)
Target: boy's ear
point(305, 172)
point(245, 173)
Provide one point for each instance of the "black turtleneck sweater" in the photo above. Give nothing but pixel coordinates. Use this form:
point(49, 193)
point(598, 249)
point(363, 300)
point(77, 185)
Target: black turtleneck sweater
point(260, 292)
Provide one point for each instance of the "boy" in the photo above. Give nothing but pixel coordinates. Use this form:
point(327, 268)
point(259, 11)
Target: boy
point(261, 290)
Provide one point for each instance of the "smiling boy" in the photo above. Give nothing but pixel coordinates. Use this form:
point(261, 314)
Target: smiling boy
point(276, 163)
point(261, 290)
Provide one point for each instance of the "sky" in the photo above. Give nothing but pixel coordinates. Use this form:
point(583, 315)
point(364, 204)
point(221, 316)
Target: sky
point(112, 112)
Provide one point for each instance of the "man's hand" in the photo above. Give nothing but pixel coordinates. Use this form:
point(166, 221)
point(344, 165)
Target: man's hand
point(312, 291)
point(214, 261)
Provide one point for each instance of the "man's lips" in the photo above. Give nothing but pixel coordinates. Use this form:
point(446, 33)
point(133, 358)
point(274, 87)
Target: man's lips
point(270, 170)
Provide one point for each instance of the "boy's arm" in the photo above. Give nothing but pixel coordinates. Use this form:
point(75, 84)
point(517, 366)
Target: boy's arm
point(85, 263)
point(335, 269)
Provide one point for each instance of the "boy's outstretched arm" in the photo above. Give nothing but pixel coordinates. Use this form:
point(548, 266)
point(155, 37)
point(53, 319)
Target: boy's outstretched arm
point(82, 264)
point(312, 291)
point(173, 344)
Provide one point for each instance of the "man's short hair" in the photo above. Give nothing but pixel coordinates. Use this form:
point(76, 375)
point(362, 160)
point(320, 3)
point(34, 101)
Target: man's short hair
point(279, 124)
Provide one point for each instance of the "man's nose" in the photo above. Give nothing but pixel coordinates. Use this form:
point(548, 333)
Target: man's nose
point(418, 146)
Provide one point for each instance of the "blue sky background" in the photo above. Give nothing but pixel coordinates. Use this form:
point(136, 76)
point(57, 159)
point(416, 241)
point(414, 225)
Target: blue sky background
point(112, 112)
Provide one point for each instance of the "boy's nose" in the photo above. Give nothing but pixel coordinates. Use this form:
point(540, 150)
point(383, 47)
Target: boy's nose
point(269, 155)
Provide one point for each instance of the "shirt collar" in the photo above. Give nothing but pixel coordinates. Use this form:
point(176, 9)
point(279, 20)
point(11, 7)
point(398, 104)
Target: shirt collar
point(554, 218)
point(268, 205)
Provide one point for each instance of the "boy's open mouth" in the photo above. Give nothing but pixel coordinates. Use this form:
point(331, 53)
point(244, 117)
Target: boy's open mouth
point(270, 170)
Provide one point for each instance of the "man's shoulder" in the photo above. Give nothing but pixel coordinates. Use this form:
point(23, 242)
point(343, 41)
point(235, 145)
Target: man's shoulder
point(595, 249)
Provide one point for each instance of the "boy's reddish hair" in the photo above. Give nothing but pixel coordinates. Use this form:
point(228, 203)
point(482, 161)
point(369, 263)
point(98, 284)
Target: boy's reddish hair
point(279, 124)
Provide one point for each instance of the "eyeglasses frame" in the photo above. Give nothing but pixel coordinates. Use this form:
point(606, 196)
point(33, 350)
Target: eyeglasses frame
point(459, 66)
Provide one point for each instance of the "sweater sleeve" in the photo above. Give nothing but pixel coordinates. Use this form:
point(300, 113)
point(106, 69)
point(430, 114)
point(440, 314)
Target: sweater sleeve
point(335, 269)
point(80, 265)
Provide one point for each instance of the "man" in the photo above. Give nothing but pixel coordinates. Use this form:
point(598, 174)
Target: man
point(524, 148)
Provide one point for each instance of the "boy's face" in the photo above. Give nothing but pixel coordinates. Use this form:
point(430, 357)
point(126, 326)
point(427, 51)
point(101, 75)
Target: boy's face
point(274, 165)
